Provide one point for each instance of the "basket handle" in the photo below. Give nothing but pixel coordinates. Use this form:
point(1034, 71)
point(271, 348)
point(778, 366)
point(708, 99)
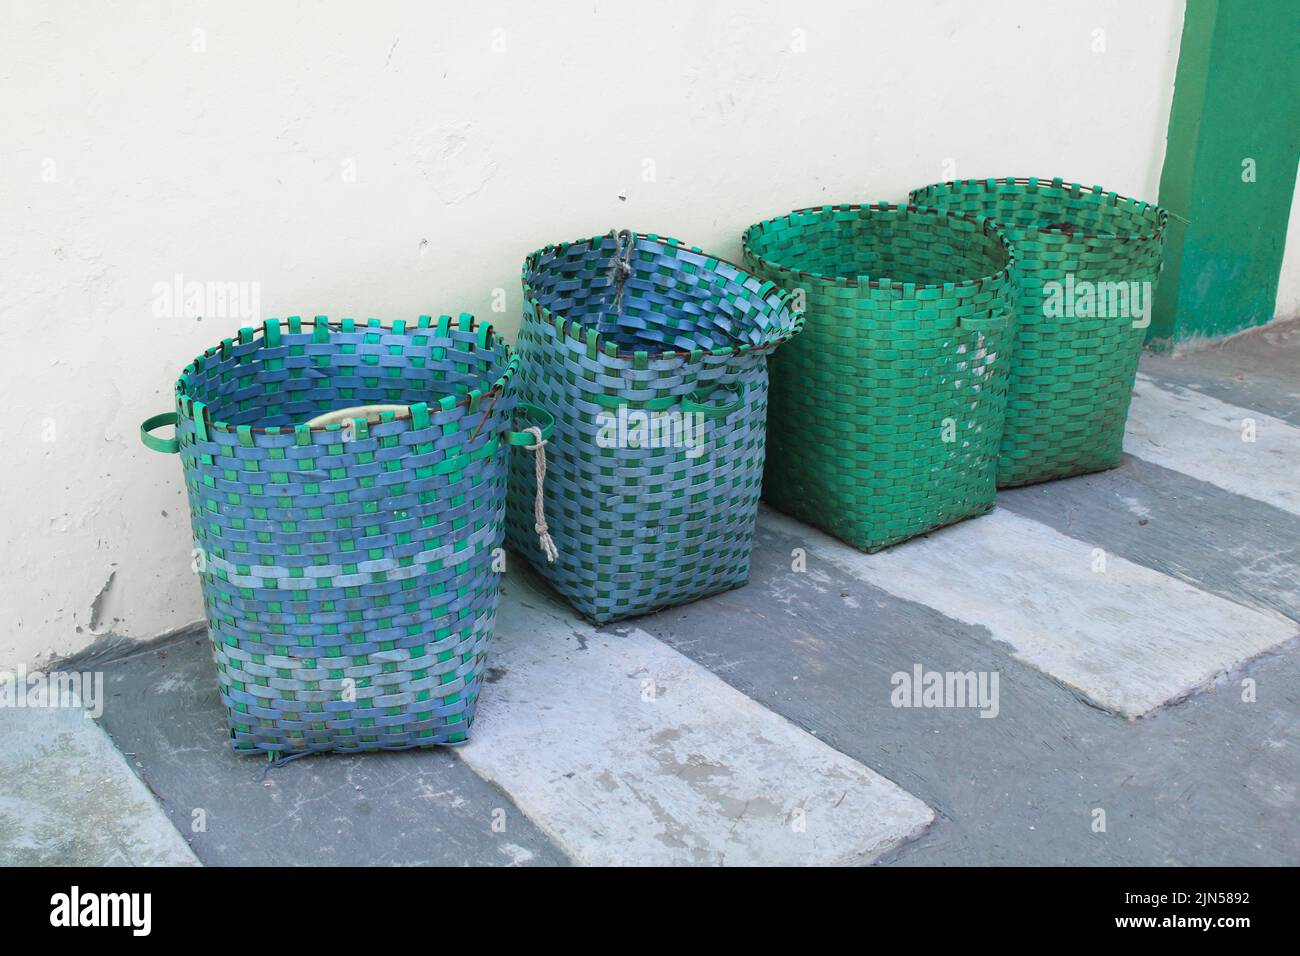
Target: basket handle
point(694, 402)
point(534, 440)
point(546, 419)
point(169, 446)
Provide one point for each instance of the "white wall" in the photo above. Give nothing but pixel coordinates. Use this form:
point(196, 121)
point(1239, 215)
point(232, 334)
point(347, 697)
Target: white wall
point(1288, 280)
point(128, 157)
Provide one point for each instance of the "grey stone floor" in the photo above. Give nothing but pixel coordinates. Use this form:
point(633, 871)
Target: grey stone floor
point(69, 797)
point(1206, 780)
point(409, 808)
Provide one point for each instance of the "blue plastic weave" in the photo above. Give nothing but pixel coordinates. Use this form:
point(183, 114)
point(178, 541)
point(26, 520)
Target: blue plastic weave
point(642, 528)
point(347, 569)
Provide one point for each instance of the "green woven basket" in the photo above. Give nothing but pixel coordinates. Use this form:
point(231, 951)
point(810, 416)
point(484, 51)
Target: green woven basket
point(1086, 266)
point(885, 415)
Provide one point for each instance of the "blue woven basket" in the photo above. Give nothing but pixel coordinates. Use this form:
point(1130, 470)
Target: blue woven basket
point(629, 329)
point(347, 569)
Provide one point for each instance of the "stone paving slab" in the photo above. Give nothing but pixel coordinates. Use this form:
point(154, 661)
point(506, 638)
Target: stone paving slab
point(69, 798)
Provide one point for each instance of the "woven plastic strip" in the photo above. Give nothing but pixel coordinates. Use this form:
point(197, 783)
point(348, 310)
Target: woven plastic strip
point(653, 359)
point(886, 413)
point(1086, 266)
point(347, 569)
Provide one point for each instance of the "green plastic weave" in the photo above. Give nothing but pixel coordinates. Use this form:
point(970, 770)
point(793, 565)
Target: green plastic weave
point(885, 415)
point(1072, 377)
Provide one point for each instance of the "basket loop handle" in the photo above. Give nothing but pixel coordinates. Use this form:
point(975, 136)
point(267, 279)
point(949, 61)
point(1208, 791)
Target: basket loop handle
point(534, 439)
point(169, 446)
point(526, 437)
point(694, 402)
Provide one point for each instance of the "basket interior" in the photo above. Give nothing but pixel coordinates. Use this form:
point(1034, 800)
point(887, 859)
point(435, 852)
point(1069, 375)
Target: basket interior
point(261, 385)
point(1022, 208)
point(875, 243)
point(672, 300)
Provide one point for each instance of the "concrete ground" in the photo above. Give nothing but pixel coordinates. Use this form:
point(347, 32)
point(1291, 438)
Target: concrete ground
point(69, 797)
point(1140, 625)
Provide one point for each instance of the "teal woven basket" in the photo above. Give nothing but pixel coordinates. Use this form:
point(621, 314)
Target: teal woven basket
point(887, 412)
point(620, 332)
point(347, 568)
point(1087, 261)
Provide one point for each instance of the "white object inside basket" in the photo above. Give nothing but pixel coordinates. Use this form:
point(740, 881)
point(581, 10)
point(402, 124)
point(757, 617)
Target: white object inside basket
point(370, 413)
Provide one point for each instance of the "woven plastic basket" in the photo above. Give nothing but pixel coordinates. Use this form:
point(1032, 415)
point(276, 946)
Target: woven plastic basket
point(618, 334)
point(1081, 255)
point(347, 568)
point(886, 413)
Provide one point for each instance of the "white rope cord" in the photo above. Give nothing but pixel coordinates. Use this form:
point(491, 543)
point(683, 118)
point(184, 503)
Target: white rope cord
point(539, 514)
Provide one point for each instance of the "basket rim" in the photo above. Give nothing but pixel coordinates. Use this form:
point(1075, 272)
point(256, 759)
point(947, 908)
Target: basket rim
point(989, 226)
point(466, 322)
point(785, 298)
point(1058, 182)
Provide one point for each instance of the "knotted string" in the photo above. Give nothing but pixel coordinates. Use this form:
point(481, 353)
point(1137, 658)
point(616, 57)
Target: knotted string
point(275, 763)
point(621, 267)
point(539, 515)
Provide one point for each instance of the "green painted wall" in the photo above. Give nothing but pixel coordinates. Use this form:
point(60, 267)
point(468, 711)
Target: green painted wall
point(1235, 100)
